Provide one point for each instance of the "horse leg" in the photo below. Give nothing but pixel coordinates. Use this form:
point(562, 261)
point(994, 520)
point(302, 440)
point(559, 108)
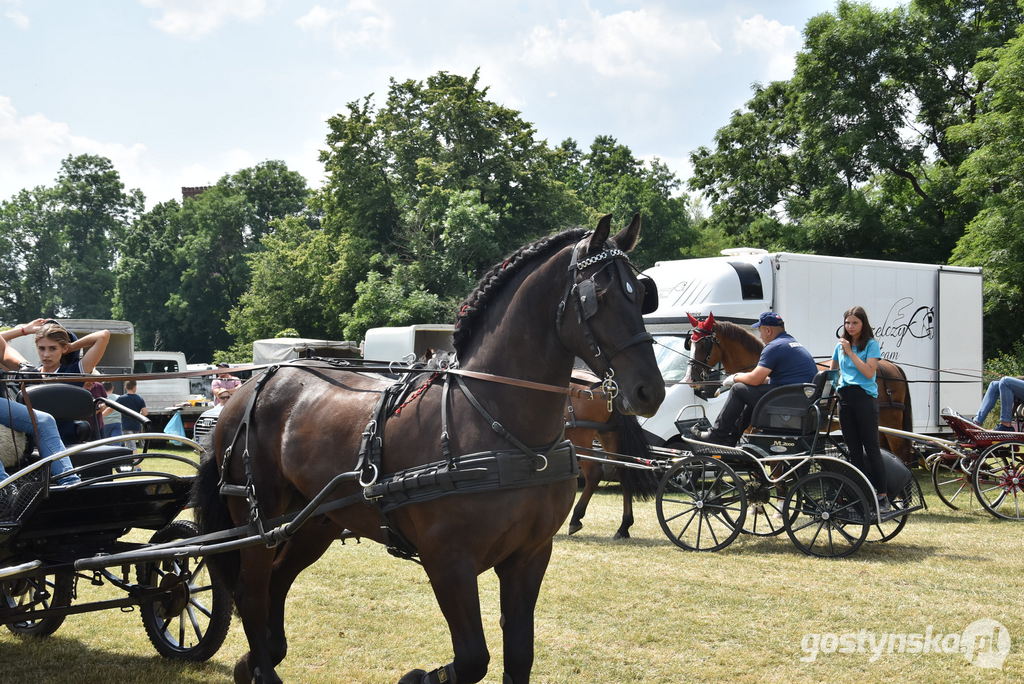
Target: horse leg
point(252, 598)
point(627, 514)
point(454, 582)
point(293, 557)
point(520, 577)
point(591, 478)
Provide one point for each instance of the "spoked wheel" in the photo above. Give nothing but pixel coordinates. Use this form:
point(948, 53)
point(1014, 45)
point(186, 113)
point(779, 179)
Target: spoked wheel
point(890, 527)
point(701, 504)
point(765, 503)
point(40, 592)
point(951, 477)
point(826, 515)
point(998, 479)
point(191, 620)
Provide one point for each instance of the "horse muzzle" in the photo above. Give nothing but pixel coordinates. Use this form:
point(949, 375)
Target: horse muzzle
point(641, 400)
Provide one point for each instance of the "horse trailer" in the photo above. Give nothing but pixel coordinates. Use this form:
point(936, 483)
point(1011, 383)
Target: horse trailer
point(927, 319)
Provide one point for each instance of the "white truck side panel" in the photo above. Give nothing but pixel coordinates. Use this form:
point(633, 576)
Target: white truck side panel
point(398, 342)
point(117, 359)
point(812, 292)
point(960, 353)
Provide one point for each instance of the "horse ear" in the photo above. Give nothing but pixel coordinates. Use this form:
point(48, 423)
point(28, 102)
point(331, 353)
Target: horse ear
point(600, 234)
point(627, 238)
point(693, 321)
point(711, 321)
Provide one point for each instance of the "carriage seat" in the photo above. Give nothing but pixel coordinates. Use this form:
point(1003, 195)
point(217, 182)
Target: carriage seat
point(790, 409)
point(75, 405)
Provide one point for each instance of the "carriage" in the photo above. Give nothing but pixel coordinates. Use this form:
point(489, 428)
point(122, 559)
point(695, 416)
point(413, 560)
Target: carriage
point(46, 530)
point(788, 474)
point(978, 466)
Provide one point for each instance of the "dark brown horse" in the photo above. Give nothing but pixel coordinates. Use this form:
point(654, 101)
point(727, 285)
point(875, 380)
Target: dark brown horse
point(589, 419)
point(737, 350)
point(565, 296)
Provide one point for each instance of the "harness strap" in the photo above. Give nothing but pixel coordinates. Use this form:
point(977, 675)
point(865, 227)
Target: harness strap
point(501, 430)
point(446, 450)
point(248, 490)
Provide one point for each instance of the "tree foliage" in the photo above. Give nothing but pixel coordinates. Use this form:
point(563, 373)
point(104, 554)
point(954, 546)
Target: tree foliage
point(429, 190)
point(62, 242)
point(875, 147)
point(185, 266)
point(992, 177)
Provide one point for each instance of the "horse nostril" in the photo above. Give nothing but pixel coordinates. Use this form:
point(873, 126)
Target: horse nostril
point(646, 395)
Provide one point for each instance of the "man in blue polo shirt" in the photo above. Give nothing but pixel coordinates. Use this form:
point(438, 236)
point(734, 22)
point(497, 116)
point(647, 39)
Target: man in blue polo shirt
point(784, 361)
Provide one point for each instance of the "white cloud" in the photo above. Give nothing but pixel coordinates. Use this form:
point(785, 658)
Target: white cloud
point(777, 43)
point(32, 147)
point(192, 19)
point(12, 12)
point(360, 23)
point(634, 44)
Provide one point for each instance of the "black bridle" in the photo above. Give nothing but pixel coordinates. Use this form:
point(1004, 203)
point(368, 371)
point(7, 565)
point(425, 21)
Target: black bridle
point(582, 293)
point(709, 373)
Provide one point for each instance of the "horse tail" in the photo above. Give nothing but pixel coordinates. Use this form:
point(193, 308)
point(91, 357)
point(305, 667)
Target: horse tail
point(212, 515)
point(633, 442)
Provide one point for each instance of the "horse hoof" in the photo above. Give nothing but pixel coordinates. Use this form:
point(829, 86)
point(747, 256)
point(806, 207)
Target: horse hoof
point(622, 534)
point(575, 527)
point(241, 672)
point(413, 677)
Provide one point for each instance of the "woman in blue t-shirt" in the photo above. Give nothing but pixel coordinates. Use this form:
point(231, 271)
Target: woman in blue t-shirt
point(856, 358)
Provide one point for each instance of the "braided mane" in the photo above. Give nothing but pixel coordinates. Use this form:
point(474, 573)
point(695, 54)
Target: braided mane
point(740, 335)
point(474, 305)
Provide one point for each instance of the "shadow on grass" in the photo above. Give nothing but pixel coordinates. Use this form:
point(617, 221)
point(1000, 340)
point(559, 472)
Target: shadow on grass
point(58, 658)
point(597, 538)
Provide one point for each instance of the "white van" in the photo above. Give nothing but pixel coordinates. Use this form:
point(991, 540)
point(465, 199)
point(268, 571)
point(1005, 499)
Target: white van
point(164, 392)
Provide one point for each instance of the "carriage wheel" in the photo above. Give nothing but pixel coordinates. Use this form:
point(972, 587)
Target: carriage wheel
point(701, 504)
point(40, 592)
point(191, 620)
point(826, 515)
point(998, 479)
point(951, 478)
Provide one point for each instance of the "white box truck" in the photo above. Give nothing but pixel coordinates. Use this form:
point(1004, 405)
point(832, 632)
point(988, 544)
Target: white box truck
point(407, 342)
point(927, 319)
point(277, 349)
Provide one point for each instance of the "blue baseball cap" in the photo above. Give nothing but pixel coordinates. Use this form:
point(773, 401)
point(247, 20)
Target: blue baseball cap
point(769, 318)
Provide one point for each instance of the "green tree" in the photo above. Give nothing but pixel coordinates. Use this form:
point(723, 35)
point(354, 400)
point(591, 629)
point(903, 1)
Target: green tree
point(148, 273)
point(64, 241)
point(991, 176)
point(609, 179)
point(185, 266)
point(853, 151)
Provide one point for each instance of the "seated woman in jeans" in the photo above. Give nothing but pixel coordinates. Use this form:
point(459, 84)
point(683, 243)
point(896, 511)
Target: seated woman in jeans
point(15, 416)
point(1004, 389)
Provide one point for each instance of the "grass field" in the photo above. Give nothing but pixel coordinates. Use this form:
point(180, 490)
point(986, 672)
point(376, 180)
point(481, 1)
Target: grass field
point(638, 610)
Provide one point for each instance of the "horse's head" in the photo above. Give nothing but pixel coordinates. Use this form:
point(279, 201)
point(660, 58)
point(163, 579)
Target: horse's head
point(601, 317)
point(705, 355)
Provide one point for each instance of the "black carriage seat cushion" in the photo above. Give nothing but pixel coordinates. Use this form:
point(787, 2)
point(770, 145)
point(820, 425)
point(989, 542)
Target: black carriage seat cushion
point(70, 403)
point(790, 409)
point(63, 402)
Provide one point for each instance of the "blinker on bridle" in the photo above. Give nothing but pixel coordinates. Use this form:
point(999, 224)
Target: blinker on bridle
point(583, 293)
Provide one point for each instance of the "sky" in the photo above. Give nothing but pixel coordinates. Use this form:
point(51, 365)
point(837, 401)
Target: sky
point(181, 92)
